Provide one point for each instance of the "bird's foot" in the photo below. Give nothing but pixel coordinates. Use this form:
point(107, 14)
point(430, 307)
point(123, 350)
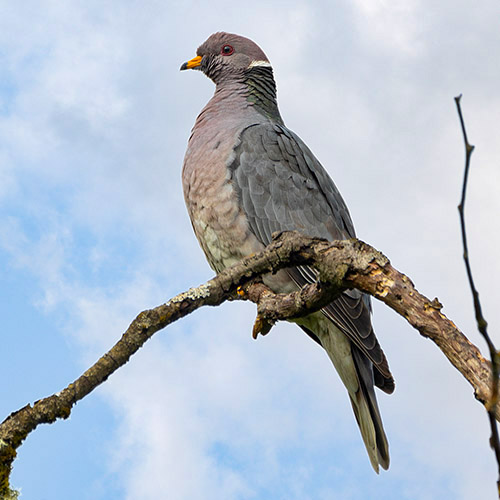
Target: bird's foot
point(262, 326)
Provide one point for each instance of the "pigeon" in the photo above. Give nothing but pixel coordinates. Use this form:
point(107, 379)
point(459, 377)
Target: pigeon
point(246, 175)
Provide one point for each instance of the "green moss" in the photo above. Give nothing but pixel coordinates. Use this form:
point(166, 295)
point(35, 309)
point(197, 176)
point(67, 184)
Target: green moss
point(9, 494)
point(6, 493)
point(65, 412)
point(7, 455)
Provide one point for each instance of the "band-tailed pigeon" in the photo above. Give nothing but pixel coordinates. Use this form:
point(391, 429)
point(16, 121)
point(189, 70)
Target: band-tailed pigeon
point(246, 175)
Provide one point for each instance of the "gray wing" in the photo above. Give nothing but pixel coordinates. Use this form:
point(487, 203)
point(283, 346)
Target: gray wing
point(283, 187)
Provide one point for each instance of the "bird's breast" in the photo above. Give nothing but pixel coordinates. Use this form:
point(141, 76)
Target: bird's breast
point(218, 219)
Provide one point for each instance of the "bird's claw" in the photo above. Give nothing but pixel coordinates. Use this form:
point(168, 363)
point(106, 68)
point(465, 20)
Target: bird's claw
point(262, 326)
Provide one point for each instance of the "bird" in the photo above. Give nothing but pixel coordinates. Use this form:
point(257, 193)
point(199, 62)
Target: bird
point(246, 175)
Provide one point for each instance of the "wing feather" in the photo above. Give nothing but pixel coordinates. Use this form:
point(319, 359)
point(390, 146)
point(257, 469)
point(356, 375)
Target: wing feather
point(283, 187)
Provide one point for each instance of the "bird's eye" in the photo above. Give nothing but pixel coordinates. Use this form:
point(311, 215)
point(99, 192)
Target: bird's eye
point(227, 50)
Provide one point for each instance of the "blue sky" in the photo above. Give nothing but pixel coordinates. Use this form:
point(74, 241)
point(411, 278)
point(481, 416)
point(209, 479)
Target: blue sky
point(94, 120)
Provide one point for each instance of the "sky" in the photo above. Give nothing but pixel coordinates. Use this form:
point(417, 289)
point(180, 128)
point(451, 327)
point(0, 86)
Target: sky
point(94, 121)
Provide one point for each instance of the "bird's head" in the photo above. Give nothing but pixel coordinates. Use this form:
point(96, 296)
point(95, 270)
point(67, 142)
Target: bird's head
point(224, 56)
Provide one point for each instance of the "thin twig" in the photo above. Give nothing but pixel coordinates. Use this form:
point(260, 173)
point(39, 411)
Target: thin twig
point(481, 322)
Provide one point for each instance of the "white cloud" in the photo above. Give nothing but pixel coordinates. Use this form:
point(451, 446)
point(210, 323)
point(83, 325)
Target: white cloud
point(390, 26)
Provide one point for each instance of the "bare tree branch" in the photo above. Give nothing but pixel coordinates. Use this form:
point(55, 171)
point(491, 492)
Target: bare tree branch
point(341, 264)
point(354, 264)
point(481, 321)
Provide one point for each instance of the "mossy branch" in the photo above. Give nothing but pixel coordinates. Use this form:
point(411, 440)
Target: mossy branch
point(341, 265)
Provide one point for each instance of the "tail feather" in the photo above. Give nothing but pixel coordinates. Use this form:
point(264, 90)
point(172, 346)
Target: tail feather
point(357, 374)
point(368, 414)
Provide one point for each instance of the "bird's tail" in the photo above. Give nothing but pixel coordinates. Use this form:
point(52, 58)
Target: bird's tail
point(364, 404)
point(356, 372)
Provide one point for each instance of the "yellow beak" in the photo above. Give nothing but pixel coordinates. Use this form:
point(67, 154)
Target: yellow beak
point(192, 63)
